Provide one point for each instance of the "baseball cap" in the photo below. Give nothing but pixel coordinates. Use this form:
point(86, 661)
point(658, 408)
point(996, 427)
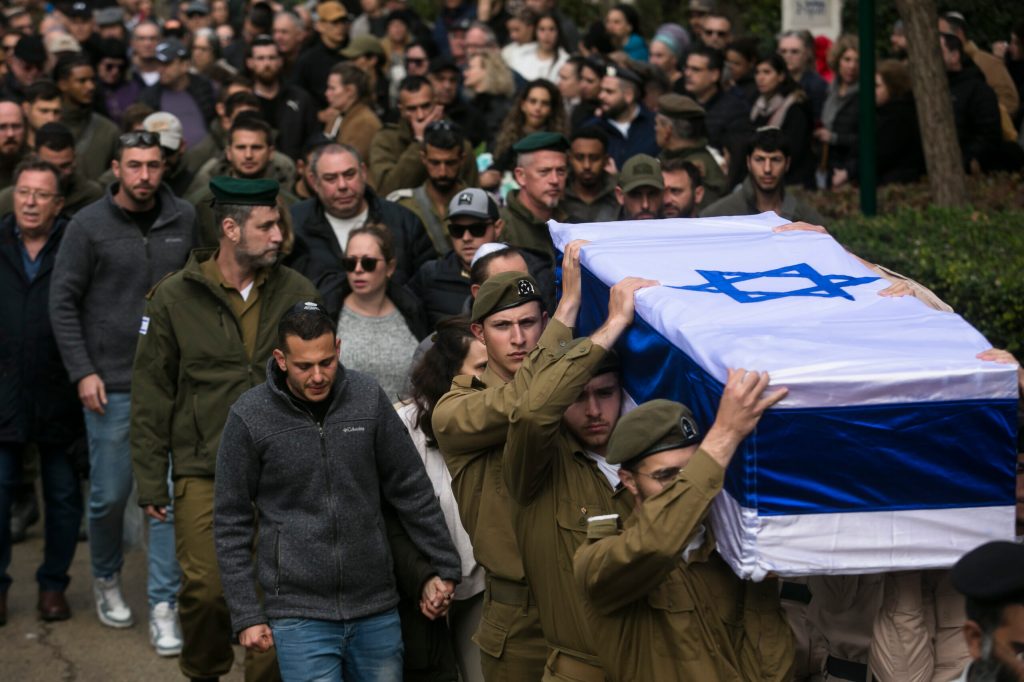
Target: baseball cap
point(641, 170)
point(58, 41)
point(79, 10)
point(473, 202)
point(169, 50)
point(168, 126)
point(108, 16)
point(30, 49)
point(331, 11)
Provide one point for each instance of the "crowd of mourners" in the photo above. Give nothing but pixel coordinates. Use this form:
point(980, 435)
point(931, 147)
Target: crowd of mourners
point(202, 201)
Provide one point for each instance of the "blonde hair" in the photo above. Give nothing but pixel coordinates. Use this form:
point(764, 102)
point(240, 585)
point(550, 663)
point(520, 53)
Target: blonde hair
point(498, 79)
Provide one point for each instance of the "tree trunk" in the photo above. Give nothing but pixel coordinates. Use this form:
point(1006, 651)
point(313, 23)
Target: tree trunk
point(942, 154)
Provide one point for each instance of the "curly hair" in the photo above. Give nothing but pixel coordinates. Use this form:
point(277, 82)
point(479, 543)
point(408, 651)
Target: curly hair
point(513, 128)
point(432, 376)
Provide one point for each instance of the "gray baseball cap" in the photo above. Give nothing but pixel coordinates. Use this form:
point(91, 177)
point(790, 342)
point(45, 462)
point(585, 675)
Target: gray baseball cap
point(473, 202)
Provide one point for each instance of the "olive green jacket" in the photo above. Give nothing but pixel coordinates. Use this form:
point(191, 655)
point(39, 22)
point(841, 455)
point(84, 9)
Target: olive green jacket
point(524, 230)
point(395, 162)
point(655, 615)
point(191, 366)
point(555, 487)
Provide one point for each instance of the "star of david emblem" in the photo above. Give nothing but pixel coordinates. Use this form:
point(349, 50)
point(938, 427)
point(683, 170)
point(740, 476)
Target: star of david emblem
point(822, 286)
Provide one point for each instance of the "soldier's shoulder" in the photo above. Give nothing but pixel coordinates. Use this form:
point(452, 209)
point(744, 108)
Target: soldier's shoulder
point(400, 196)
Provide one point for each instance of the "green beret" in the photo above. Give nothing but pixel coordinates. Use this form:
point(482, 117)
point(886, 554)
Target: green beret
point(503, 291)
point(243, 192)
point(651, 428)
point(679, 106)
point(533, 142)
point(992, 573)
point(641, 170)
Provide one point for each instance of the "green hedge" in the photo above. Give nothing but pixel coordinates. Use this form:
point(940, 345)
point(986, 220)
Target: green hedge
point(974, 261)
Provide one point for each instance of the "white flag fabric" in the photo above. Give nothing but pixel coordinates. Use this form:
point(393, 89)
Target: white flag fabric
point(895, 447)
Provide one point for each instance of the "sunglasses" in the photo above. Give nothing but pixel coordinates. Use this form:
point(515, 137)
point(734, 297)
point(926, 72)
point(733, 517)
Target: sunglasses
point(475, 230)
point(350, 262)
point(141, 138)
point(720, 34)
point(415, 61)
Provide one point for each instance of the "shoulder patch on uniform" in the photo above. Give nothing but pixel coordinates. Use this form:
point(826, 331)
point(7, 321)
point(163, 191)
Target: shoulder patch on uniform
point(151, 292)
point(399, 194)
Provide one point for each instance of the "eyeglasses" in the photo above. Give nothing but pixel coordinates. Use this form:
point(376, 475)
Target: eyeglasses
point(476, 230)
point(140, 138)
point(662, 476)
point(720, 34)
point(369, 263)
point(36, 194)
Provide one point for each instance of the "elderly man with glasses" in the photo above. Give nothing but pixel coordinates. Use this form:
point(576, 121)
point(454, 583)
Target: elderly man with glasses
point(114, 252)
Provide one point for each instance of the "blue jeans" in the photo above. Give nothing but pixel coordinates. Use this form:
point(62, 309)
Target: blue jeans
point(62, 498)
point(110, 484)
point(360, 650)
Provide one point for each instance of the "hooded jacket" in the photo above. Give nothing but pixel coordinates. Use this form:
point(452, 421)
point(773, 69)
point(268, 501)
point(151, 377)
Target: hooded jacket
point(322, 546)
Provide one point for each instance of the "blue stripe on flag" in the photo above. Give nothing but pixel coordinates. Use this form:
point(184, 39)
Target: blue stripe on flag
point(833, 459)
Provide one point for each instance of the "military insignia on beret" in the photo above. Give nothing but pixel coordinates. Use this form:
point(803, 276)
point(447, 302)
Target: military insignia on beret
point(465, 199)
point(688, 428)
point(525, 287)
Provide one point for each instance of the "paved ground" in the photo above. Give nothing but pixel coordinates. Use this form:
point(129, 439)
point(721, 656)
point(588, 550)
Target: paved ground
point(80, 649)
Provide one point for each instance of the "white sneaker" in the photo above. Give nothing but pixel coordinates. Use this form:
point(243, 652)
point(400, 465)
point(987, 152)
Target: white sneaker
point(110, 605)
point(164, 632)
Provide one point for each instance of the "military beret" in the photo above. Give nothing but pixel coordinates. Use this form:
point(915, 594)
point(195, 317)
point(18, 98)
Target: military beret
point(503, 291)
point(625, 74)
point(992, 573)
point(244, 192)
point(679, 106)
point(641, 170)
point(533, 142)
point(651, 428)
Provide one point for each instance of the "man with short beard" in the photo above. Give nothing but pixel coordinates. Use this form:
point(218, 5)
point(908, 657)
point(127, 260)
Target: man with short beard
point(442, 155)
point(41, 106)
point(590, 192)
point(683, 189)
point(541, 171)
point(640, 188)
point(12, 140)
point(764, 189)
point(115, 251)
point(287, 108)
point(248, 155)
point(627, 122)
point(205, 338)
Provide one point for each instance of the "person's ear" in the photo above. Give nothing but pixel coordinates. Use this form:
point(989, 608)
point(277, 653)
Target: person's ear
point(974, 637)
point(519, 173)
point(698, 195)
point(473, 289)
point(620, 196)
point(499, 225)
point(279, 358)
point(628, 480)
point(478, 332)
point(231, 230)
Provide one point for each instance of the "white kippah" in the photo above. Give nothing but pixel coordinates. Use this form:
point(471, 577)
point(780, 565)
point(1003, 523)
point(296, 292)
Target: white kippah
point(487, 249)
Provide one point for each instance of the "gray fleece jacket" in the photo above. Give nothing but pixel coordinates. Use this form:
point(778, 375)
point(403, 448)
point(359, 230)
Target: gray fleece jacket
point(316, 491)
point(103, 271)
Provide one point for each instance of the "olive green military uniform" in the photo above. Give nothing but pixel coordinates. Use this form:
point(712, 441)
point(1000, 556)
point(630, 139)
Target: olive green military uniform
point(556, 486)
point(95, 138)
point(604, 207)
point(201, 345)
point(83, 192)
point(654, 615)
point(395, 162)
point(716, 185)
point(522, 229)
point(418, 201)
point(471, 425)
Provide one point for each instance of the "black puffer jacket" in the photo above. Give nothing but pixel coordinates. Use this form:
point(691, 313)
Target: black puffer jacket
point(317, 251)
point(37, 401)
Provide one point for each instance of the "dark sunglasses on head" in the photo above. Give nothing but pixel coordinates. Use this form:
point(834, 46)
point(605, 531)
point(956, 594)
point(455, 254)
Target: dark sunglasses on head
point(369, 264)
point(476, 230)
point(140, 138)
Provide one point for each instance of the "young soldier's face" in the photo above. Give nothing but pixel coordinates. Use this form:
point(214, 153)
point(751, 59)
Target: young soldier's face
point(510, 335)
point(593, 415)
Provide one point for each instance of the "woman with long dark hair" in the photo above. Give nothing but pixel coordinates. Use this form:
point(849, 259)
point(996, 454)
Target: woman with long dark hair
point(538, 107)
point(455, 351)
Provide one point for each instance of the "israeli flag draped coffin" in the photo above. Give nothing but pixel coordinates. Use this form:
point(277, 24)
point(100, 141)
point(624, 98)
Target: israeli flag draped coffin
point(895, 448)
